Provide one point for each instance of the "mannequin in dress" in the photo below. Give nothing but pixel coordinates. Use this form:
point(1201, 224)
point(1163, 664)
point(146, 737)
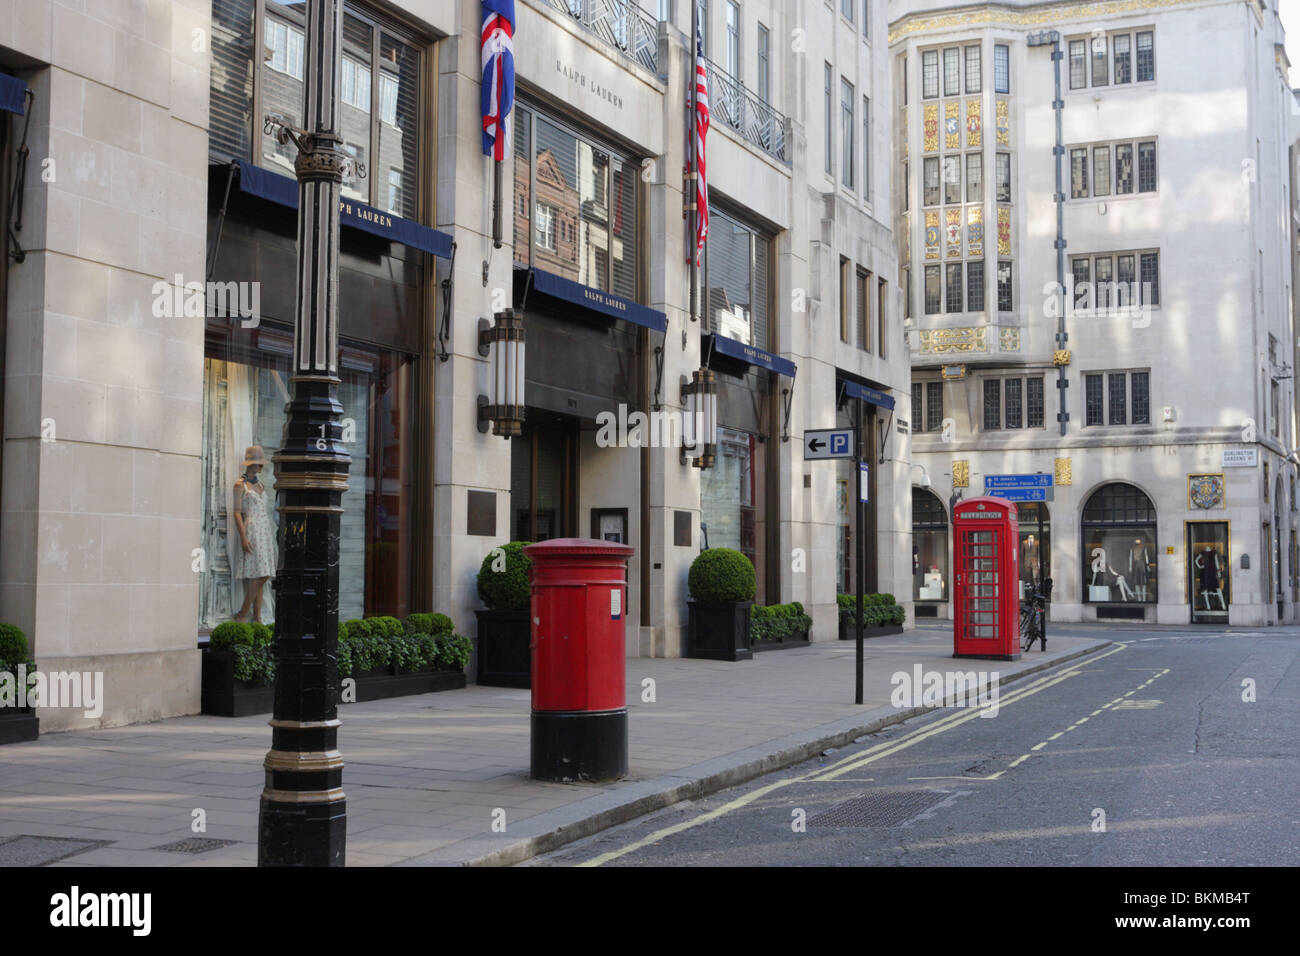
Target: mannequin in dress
point(256, 535)
point(1139, 567)
point(1210, 576)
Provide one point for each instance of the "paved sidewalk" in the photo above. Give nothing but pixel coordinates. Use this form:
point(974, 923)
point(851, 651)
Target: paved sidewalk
point(424, 774)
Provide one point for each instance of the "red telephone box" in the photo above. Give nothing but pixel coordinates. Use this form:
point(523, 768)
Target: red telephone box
point(986, 579)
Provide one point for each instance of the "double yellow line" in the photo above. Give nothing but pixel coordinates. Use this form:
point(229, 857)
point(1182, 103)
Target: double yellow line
point(850, 763)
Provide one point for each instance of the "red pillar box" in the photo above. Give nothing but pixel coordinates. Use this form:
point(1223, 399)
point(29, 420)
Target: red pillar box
point(986, 579)
point(579, 613)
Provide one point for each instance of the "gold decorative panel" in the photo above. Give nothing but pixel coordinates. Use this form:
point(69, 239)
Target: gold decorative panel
point(953, 234)
point(1009, 340)
point(961, 474)
point(1004, 231)
point(1061, 357)
point(975, 230)
point(930, 124)
point(1004, 122)
point(952, 124)
point(1045, 15)
point(1064, 471)
point(974, 134)
point(939, 341)
point(932, 234)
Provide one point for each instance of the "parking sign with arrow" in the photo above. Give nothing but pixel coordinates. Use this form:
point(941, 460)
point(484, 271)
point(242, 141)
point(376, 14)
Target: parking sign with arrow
point(828, 443)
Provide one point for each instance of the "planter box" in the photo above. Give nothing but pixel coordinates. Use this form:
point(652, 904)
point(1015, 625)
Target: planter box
point(719, 632)
point(849, 631)
point(18, 724)
point(223, 696)
point(799, 640)
point(504, 649)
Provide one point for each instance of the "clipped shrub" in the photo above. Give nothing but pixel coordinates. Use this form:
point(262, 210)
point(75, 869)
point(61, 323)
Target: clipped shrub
point(779, 622)
point(428, 646)
point(453, 651)
point(13, 645)
point(720, 576)
point(231, 634)
point(344, 655)
point(406, 652)
point(503, 578)
point(441, 624)
point(418, 623)
point(262, 634)
point(382, 625)
point(254, 662)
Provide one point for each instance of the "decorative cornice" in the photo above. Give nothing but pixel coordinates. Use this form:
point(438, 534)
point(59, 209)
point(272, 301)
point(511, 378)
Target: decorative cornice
point(1038, 15)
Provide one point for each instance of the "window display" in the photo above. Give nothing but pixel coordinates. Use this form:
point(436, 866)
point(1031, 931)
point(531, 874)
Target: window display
point(1035, 545)
point(245, 391)
point(1119, 546)
point(727, 494)
point(929, 547)
point(1208, 585)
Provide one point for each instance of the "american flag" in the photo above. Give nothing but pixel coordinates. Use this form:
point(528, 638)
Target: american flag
point(701, 131)
point(498, 94)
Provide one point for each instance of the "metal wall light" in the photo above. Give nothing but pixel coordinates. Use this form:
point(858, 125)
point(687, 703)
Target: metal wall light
point(700, 419)
point(503, 345)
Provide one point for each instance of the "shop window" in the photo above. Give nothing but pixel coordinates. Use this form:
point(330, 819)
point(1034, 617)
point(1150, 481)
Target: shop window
point(1119, 546)
point(584, 204)
point(929, 547)
point(735, 280)
point(245, 391)
point(728, 495)
point(379, 121)
point(1035, 544)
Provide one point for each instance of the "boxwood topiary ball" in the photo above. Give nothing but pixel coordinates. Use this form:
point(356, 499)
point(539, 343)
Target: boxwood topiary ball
point(503, 578)
point(13, 644)
point(721, 575)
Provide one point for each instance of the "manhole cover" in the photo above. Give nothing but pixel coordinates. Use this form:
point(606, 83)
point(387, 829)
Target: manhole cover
point(194, 845)
point(880, 809)
point(39, 850)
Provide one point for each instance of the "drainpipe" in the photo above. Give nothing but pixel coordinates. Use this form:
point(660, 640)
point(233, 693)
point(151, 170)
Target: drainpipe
point(1052, 38)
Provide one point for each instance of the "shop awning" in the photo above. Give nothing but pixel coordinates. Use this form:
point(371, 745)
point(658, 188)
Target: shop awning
point(585, 297)
point(751, 355)
point(869, 395)
point(283, 190)
point(13, 94)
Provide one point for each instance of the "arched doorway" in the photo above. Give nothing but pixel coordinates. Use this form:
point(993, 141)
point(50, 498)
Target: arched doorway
point(929, 552)
point(1118, 557)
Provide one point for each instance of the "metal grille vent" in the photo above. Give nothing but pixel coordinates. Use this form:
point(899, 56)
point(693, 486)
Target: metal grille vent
point(880, 809)
point(194, 845)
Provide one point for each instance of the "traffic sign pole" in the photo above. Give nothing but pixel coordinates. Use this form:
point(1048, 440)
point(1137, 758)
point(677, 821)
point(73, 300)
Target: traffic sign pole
point(860, 537)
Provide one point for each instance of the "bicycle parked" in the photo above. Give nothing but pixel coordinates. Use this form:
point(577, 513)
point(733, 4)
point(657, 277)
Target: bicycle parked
point(1033, 617)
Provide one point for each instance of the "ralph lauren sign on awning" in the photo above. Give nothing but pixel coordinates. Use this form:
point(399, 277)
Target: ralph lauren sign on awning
point(751, 355)
point(284, 190)
point(869, 395)
point(583, 296)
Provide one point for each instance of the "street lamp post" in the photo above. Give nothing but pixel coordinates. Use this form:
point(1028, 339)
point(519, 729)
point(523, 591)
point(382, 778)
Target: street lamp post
point(303, 816)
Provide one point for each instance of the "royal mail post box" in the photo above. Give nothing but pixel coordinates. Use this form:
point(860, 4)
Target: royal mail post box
point(986, 578)
point(579, 615)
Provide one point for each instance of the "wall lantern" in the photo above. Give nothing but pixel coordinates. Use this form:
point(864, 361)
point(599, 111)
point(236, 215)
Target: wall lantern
point(503, 346)
point(700, 419)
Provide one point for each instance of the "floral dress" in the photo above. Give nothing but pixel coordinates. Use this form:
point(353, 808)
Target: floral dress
point(260, 563)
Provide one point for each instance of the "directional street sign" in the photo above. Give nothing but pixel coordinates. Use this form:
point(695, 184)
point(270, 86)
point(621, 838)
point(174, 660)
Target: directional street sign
point(828, 443)
point(1035, 487)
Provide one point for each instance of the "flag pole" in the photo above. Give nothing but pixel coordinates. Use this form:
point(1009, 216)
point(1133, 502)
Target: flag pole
point(496, 203)
point(692, 133)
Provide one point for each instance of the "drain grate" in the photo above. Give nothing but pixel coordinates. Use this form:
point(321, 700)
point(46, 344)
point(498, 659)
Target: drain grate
point(195, 845)
point(880, 809)
point(39, 850)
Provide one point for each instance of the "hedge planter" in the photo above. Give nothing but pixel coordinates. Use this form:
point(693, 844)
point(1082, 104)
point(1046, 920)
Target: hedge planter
point(719, 632)
point(799, 639)
point(504, 655)
point(849, 630)
point(223, 696)
point(18, 724)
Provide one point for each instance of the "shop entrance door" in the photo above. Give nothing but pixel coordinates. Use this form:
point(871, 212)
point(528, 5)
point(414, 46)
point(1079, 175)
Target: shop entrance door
point(1208, 565)
point(544, 478)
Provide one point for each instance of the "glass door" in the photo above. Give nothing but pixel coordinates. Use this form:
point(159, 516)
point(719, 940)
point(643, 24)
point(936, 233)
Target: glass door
point(1208, 558)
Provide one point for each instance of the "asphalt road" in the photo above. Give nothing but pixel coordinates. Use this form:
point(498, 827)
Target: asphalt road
point(1145, 754)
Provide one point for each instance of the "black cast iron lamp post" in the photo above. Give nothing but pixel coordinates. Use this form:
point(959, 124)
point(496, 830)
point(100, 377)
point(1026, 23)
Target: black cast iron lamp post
point(303, 815)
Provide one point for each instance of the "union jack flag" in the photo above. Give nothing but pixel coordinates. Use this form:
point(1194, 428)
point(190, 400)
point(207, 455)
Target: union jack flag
point(498, 93)
point(701, 131)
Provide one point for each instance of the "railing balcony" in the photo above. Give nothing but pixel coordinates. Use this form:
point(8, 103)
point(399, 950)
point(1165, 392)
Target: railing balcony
point(730, 103)
point(620, 23)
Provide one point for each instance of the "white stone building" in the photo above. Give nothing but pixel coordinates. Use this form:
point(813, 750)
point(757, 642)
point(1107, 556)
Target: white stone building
point(1172, 500)
point(124, 430)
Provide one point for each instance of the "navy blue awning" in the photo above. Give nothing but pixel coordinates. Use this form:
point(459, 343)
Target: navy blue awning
point(13, 94)
point(869, 395)
point(606, 303)
point(752, 355)
point(284, 190)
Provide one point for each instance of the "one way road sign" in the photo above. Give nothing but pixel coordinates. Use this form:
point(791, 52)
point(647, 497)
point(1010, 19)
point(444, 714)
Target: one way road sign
point(828, 443)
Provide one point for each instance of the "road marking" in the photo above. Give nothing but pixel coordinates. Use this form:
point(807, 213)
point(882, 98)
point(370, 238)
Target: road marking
point(847, 764)
point(992, 776)
point(1083, 829)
